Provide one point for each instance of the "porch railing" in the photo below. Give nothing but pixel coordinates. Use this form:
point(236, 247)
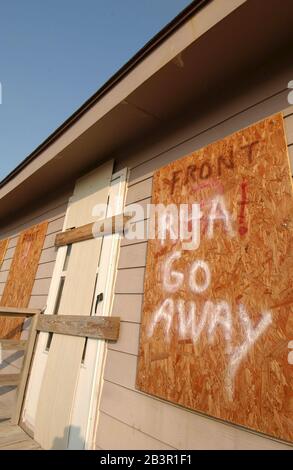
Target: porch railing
point(98, 327)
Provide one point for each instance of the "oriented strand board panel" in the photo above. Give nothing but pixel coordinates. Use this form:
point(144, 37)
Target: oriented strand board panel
point(21, 277)
point(3, 249)
point(217, 325)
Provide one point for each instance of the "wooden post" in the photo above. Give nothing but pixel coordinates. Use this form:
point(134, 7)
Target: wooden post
point(25, 369)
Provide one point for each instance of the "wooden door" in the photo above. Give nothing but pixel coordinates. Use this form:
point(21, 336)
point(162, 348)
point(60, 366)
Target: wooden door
point(85, 406)
point(58, 361)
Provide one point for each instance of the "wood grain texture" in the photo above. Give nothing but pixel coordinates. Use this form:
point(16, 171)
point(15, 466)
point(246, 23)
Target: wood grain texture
point(21, 277)
point(219, 344)
point(93, 230)
point(3, 249)
point(106, 328)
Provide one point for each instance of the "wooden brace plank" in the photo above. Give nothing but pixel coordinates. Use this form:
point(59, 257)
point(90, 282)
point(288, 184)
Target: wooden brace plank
point(9, 379)
point(115, 224)
point(79, 325)
point(14, 344)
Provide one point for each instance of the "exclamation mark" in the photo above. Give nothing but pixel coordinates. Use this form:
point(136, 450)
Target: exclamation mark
point(242, 225)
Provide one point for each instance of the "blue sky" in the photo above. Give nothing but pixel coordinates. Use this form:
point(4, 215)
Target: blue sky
point(56, 54)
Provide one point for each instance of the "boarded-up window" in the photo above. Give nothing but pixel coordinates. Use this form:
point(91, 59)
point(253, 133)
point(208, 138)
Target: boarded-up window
point(21, 277)
point(217, 319)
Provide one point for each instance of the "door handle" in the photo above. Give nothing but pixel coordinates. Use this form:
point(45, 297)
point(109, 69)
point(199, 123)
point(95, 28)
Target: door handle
point(100, 298)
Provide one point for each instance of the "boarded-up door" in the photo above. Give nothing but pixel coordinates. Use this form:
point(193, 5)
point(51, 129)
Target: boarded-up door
point(56, 397)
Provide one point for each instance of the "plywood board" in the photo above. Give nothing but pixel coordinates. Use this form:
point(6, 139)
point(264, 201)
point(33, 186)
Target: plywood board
point(19, 285)
point(3, 249)
point(217, 329)
point(53, 417)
